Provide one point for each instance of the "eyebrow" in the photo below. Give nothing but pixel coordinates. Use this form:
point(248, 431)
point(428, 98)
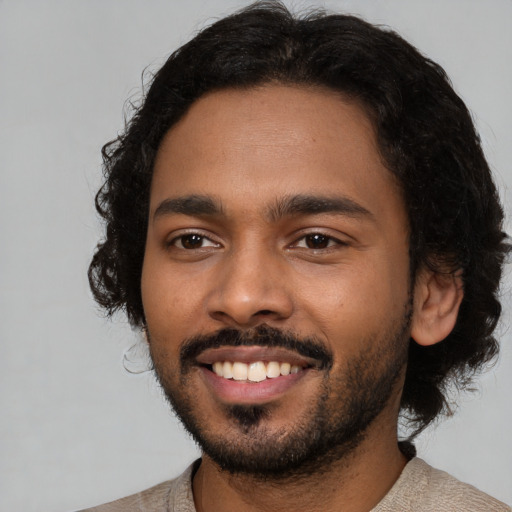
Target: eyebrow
point(198, 205)
point(311, 205)
point(193, 205)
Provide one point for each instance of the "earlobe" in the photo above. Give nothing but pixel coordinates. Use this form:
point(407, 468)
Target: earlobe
point(437, 298)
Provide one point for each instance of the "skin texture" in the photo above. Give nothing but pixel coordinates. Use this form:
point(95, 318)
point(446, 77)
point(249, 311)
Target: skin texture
point(251, 264)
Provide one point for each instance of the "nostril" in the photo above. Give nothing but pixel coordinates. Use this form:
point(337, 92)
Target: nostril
point(265, 312)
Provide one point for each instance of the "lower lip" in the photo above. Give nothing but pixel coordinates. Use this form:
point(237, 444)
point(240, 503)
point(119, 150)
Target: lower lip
point(242, 392)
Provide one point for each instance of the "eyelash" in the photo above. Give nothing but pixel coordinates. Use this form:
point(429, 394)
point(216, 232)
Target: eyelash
point(330, 240)
point(201, 236)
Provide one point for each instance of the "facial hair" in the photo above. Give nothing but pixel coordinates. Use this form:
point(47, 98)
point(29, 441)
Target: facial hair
point(334, 422)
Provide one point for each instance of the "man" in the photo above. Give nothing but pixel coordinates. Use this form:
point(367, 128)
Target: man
point(301, 220)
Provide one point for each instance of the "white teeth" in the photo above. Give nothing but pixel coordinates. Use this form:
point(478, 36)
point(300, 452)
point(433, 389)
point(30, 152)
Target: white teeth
point(273, 370)
point(227, 370)
point(217, 368)
point(240, 371)
point(257, 372)
point(285, 368)
point(254, 372)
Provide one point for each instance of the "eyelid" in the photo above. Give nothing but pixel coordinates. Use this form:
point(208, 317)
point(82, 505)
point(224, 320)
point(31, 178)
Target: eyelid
point(176, 235)
point(332, 242)
point(339, 240)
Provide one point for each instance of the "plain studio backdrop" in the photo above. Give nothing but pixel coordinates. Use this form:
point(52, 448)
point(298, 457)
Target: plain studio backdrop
point(76, 428)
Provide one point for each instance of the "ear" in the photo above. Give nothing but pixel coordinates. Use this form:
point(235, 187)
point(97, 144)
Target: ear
point(437, 299)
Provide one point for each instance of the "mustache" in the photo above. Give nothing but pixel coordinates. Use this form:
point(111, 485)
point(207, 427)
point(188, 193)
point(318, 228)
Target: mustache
point(264, 336)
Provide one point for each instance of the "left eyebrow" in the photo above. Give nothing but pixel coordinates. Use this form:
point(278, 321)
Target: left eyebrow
point(194, 205)
point(311, 205)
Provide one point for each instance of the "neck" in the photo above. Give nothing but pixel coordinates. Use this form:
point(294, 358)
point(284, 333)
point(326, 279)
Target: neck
point(355, 483)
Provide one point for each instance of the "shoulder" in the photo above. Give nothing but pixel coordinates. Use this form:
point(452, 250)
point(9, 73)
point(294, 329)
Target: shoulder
point(154, 498)
point(172, 495)
point(423, 488)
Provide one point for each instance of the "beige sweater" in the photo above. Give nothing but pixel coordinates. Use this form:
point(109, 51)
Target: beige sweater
point(420, 488)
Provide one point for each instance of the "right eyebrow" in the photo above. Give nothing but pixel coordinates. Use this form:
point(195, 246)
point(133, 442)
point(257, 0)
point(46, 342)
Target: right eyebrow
point(195, 205)
point(312, 205)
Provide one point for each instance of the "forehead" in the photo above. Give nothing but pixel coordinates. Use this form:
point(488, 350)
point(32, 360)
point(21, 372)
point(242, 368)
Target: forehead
point(266, 142)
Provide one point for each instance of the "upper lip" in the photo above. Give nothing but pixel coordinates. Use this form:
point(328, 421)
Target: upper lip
point(252, 354)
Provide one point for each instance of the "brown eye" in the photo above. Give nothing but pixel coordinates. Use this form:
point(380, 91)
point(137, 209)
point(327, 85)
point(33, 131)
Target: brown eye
point(317, 241)
point(192, 241)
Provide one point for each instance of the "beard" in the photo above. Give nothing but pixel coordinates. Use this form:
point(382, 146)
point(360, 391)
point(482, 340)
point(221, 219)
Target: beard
point(334, 421)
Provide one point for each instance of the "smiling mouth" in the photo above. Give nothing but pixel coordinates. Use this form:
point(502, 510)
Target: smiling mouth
point(252, 374)
point(257, 371)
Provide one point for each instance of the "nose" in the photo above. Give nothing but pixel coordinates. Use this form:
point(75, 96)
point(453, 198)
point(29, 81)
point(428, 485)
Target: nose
point(250, 288)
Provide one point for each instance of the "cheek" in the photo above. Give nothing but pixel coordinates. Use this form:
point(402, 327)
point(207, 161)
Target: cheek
point(353, 300)
point(175, 298)
point(167, 298)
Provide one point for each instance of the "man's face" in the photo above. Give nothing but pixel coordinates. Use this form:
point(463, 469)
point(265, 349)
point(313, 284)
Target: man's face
point(276, 240)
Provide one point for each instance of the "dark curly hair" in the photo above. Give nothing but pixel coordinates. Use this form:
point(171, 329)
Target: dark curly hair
point(425, 135)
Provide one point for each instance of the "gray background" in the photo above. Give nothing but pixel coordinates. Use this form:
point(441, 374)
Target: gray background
point(76, 429)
